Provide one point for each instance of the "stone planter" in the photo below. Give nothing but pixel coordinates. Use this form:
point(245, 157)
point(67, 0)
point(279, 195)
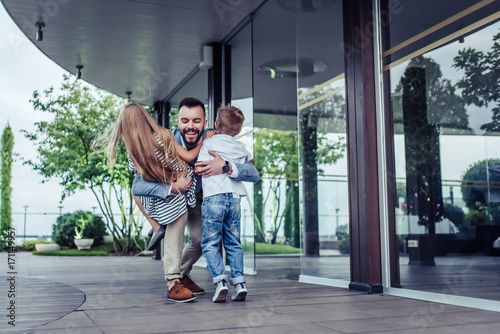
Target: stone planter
point(83, 243)
point(421, 249)
point(108, 239)
point(47, 247)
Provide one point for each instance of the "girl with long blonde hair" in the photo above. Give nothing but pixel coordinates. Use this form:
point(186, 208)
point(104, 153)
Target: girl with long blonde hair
point(156, 156)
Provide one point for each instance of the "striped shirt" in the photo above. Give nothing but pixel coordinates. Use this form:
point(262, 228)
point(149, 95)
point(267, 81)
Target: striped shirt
point(168, 210)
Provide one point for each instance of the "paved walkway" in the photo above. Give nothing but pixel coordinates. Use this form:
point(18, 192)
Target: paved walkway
point(90, 295)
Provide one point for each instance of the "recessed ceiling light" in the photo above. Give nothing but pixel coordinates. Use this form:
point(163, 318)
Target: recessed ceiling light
point(306, 5)
point(291, 67)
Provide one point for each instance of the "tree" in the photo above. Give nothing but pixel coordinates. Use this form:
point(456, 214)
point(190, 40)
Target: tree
point(80, 114)
point(275, 154)
point(444, 107)
point(481, 84)
point(480, 183)
point(6, 188)
point(276, 159)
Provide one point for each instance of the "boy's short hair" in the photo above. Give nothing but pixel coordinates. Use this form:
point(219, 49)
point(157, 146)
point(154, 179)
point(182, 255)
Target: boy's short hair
point(229, 120)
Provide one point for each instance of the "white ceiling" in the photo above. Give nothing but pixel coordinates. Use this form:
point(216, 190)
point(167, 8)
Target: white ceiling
point(143, 46)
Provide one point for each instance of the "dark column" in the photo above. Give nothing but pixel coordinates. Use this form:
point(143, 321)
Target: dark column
point(227, 74)
point(161, 111)
point(364, 225)
point(310, 181)
point(423, 171)
point(215, 79)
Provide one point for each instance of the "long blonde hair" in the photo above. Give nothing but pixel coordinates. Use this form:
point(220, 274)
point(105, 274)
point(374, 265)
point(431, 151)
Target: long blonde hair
point(141, 133)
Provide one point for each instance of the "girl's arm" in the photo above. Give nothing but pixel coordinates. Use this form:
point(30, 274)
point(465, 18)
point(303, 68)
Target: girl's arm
point(190, 155)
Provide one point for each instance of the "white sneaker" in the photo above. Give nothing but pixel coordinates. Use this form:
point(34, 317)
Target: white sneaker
point(240, 292)
point(220, 293)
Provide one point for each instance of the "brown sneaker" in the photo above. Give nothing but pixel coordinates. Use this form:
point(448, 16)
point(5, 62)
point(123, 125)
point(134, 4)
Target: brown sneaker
point(180, 294)
point(188, 283)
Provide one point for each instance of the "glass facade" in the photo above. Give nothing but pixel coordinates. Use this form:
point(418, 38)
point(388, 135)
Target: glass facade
point(444, 96)
point(322, 142)
point(441, 95)
point(240, 49)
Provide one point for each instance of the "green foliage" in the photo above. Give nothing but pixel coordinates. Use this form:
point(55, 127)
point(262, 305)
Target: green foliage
point(80, 114)
point(5, 186)
point(481, 84)
point(63, 232)
point(7, 241)
point(73, 252)
point(478, 215)
point(264, 248)
point(276, 159)
point(29, 245)
point(480, 177)
point(342, 234)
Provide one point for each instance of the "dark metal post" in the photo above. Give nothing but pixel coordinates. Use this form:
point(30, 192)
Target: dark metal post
point(362, 150)
point(25, 207)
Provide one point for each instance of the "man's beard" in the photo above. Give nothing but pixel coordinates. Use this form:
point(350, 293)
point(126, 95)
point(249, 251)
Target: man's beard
point(195, 141)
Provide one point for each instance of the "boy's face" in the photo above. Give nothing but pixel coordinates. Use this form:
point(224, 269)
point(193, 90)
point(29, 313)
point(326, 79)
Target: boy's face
point(191, 124)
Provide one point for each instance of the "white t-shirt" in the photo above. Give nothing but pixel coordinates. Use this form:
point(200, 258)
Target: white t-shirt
point(230, 150)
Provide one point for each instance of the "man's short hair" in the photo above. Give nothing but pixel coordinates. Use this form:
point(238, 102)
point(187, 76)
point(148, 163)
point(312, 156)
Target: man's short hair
point(229, 120)
point(191, 102)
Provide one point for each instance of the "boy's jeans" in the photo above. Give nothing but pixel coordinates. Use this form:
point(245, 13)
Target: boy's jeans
point(221, 219)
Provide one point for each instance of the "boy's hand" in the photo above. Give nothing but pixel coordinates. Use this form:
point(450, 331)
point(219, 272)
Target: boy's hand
point(182, 184)
point(211, 167)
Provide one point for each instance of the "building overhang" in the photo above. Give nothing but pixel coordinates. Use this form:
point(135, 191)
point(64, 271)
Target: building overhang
point(145, 47)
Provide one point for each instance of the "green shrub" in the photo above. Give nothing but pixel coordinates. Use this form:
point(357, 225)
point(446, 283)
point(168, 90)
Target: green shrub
point(29, 245)
point(72, 252)
point(6, 241)
point(456, 215)
point(63, 232)
point(342, 234)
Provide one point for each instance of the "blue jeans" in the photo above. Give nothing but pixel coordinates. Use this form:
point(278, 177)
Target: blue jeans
point(221, 215)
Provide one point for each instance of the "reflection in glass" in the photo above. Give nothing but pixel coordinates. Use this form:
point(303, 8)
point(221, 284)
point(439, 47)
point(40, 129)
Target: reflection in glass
point(322, 146)
point(447, 148)
point(240, 47)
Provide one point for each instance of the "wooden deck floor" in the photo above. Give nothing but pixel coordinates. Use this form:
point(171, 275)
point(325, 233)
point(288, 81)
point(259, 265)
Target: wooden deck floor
point(128, 295)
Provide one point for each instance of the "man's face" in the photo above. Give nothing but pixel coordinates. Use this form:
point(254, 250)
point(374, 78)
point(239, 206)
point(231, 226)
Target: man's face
point(191, 123)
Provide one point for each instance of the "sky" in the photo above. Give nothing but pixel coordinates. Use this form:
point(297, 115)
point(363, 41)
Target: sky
point(23, 70)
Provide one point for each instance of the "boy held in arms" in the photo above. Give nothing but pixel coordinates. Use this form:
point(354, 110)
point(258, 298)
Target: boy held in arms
point(221, 210)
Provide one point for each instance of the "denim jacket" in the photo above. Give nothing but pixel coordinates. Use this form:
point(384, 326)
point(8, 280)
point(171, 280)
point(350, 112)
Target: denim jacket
point(140, 187)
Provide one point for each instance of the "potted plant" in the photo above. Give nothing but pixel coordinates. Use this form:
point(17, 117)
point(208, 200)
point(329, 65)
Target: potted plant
point(80, 242)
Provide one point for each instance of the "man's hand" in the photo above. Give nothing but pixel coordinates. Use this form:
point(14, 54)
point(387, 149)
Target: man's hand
point(211, 167)
point(182, 184)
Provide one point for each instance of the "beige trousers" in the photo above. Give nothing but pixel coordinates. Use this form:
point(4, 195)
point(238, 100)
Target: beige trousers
point(179, 262)
point(192, 251)
point(172, 247)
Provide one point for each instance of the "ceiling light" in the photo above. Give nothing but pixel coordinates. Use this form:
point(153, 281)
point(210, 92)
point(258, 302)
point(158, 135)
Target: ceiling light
point(292, 67)
point(79, 74)
point(39, 33)
point(306, 5)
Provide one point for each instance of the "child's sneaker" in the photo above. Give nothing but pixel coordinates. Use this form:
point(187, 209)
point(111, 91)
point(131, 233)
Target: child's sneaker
point(240, 292)
point(220, 292)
